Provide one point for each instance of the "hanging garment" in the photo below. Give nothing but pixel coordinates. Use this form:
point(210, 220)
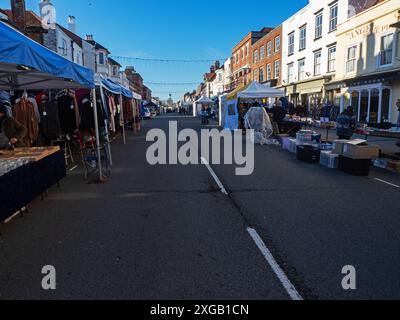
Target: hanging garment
point(113, 111)
point(50, 120)
point(87, 116)
point(24, 113)
point(66, 110)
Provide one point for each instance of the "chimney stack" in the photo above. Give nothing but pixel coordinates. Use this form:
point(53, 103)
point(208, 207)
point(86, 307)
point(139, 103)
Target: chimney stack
point(19, 14)
point(72, 24)
point(89, 37)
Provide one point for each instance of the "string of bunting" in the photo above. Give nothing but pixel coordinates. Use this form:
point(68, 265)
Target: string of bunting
point(167, 60)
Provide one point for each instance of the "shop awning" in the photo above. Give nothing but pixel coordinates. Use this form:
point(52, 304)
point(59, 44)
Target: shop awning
point(233, 95)
point(25, 64)
point(116, 88)
point(259, 91)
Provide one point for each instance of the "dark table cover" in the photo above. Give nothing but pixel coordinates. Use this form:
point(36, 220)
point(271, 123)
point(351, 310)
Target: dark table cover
point(21, 186)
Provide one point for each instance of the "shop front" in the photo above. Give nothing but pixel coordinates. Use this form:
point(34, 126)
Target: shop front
point(372, 98)
point(308, 93)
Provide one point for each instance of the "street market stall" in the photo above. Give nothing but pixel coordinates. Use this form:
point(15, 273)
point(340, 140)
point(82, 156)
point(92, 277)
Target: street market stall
point(235, 105)
point(199, 105)
point(25, 173)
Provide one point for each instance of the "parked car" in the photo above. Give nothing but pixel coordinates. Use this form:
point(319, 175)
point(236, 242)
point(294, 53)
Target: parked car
point(147, 114)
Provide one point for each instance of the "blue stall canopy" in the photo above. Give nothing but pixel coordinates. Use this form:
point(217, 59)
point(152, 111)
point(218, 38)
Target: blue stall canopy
point(26, 64)
point(116, 88)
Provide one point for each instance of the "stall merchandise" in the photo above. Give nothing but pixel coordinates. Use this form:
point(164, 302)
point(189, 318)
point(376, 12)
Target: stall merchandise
point(26, 65)
point(258, 120)
point(308, 137)
point(25, 183)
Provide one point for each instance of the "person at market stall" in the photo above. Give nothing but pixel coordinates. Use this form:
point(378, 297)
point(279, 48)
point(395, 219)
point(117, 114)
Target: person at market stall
point(279, 113)
point(11, 131)
point(346, 124)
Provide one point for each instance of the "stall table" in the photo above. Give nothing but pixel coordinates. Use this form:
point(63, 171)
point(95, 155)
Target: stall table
point(19, 187)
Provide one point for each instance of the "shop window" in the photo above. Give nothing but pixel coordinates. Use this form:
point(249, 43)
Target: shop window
point(364, 106)
point(373, 116)
point(385, 105)
point(354, 102)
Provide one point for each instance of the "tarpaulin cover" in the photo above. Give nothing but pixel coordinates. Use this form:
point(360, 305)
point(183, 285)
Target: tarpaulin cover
point(25, 64)
point(204, 100)
point(258, 91)
point(258, 120)
point(230, 115)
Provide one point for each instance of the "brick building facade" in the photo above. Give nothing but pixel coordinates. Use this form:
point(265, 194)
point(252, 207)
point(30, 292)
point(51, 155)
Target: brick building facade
point(242, 60)
point(266, 58)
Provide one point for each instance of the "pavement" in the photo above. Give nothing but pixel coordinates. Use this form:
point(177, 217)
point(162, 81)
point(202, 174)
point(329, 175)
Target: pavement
point(168, 232)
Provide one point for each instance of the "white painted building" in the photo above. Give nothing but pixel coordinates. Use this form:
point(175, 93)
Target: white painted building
point(309, 50)
point(228, 75)
point(218, 83)
point(102, 67)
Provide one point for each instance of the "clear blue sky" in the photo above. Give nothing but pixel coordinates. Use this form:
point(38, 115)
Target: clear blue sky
point(174, 29)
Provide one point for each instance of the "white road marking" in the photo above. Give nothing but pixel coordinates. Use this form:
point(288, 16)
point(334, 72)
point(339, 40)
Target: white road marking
point(219, 183)
point(289, 287)
point(388, 183)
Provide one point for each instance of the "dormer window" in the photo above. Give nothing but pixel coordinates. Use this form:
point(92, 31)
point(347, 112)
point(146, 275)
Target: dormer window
point(115, 71)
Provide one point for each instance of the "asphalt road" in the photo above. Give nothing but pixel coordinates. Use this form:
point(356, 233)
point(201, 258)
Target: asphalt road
point(168, 232)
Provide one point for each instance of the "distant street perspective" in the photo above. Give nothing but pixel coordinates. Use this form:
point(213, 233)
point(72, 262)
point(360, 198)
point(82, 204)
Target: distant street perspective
point(273, 176)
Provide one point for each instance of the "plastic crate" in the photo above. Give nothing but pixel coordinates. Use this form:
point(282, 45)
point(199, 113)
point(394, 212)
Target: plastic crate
point(329, 159)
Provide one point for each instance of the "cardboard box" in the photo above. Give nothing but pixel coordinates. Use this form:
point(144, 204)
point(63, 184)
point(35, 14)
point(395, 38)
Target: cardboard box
point(394, 165)
point(359, 149)
point(338, 146)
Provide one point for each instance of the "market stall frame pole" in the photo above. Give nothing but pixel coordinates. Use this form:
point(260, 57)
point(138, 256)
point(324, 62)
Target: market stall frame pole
point(106, 126)
point(134, 115)
point(123, 119)
point(96, 124)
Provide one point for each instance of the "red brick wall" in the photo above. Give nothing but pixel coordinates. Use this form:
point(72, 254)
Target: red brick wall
point(268, 59)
